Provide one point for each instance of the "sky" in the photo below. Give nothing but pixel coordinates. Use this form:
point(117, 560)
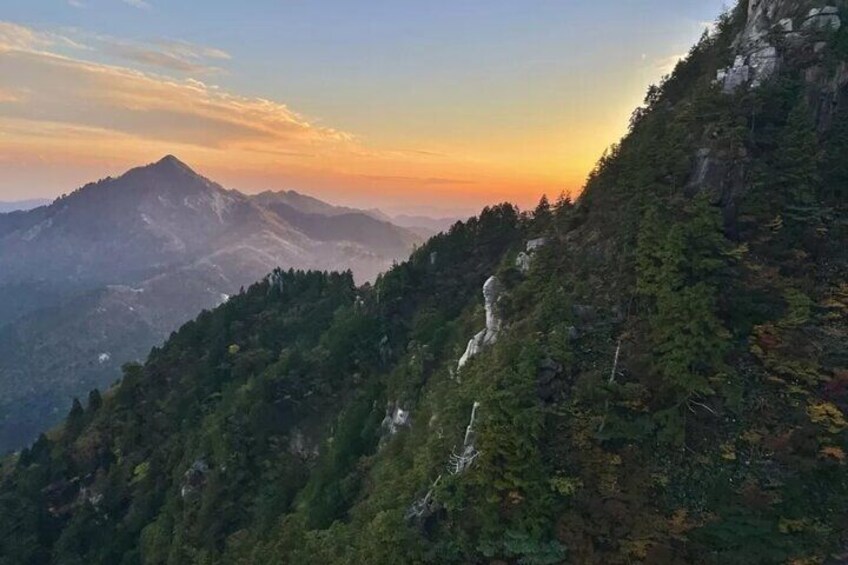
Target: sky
point(424, 106)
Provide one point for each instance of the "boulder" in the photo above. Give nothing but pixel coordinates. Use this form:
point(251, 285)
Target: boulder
point(822, 19)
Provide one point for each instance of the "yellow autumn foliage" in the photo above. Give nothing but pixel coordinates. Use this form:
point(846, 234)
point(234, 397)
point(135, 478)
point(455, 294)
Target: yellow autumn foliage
point(828, 415)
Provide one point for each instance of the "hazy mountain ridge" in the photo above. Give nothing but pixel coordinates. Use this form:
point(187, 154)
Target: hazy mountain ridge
point(112, 268)
point(22, 205)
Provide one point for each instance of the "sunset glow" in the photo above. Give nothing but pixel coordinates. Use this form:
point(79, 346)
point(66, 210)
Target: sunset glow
point(78, 101)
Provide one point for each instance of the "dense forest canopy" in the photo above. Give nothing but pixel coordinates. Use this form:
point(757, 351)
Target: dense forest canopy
point(667, 381)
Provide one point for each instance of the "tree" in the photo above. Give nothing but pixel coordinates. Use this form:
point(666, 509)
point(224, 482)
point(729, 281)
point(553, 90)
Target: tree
point(797, 177)
point(682, 271)
point(75, 421)
point(95, 401)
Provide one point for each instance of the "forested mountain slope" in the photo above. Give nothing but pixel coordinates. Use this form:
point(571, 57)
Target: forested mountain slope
point(662, 377)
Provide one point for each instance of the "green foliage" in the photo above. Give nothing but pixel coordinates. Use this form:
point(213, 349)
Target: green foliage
point(682, 272)
point(670, 384)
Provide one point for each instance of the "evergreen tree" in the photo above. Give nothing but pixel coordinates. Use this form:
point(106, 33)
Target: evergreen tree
point(797, 173)
point(76, 419)
point(95, 401)
point(682, 272)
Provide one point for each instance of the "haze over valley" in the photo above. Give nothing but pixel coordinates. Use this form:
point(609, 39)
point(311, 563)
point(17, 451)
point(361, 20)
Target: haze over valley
point(96, 278)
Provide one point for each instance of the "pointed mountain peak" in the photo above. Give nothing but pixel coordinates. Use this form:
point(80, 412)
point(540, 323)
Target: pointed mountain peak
point(171, 163)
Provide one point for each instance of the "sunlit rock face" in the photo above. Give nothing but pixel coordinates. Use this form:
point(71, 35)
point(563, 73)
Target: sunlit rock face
point(771, 23)
point(525, 258)
point(492, 290)
point(491, 293)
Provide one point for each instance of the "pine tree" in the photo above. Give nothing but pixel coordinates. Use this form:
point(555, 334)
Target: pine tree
point(797, 173)
point(75, 420)
point(543, 214)
point(682, 272)
point(95, 401)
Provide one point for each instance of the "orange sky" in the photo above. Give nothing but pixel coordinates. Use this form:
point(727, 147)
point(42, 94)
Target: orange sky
point(72, 110)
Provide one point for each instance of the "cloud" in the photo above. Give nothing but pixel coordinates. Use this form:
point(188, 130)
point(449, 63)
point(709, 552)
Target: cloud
point(141, 4)
point(161, 58)
point(179, 56)
point(76, 4)
point(8, 96)
point(18, 37)
point(70, 90)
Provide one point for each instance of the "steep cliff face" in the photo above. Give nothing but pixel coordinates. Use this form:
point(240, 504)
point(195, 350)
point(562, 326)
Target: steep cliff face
point(787, 32)
point(774, 44)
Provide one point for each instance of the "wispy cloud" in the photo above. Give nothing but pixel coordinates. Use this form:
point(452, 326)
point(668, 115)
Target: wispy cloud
point(9, 95)
point(184, 58)
point(148, 105)
point(76, 4)
point(141, 4)
point(170, 55)
point(132, 102)
point(18, 37)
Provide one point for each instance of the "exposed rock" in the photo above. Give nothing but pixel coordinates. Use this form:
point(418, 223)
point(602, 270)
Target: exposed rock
point(764, 63)
point(734, 77)
point(475, 346)
point(300, 447)
point(535, 244)
point(194, 478)
point(90, 496)
point(434, 256)
point(525, 258)
point(522, 262)
point(396, 418)
point(460, 462)
point(491, 294)
point(823, 19)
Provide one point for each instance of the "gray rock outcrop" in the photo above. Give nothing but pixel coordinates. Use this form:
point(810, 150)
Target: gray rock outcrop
point(194, 478)
point(525, 258)
point(396, 418)
point(491, 294)
point(822, 19)
point(523, 262)
point(757, 55)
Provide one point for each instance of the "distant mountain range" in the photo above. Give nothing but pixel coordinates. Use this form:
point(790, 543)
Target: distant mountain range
point(98, 277)
point(16, 205)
